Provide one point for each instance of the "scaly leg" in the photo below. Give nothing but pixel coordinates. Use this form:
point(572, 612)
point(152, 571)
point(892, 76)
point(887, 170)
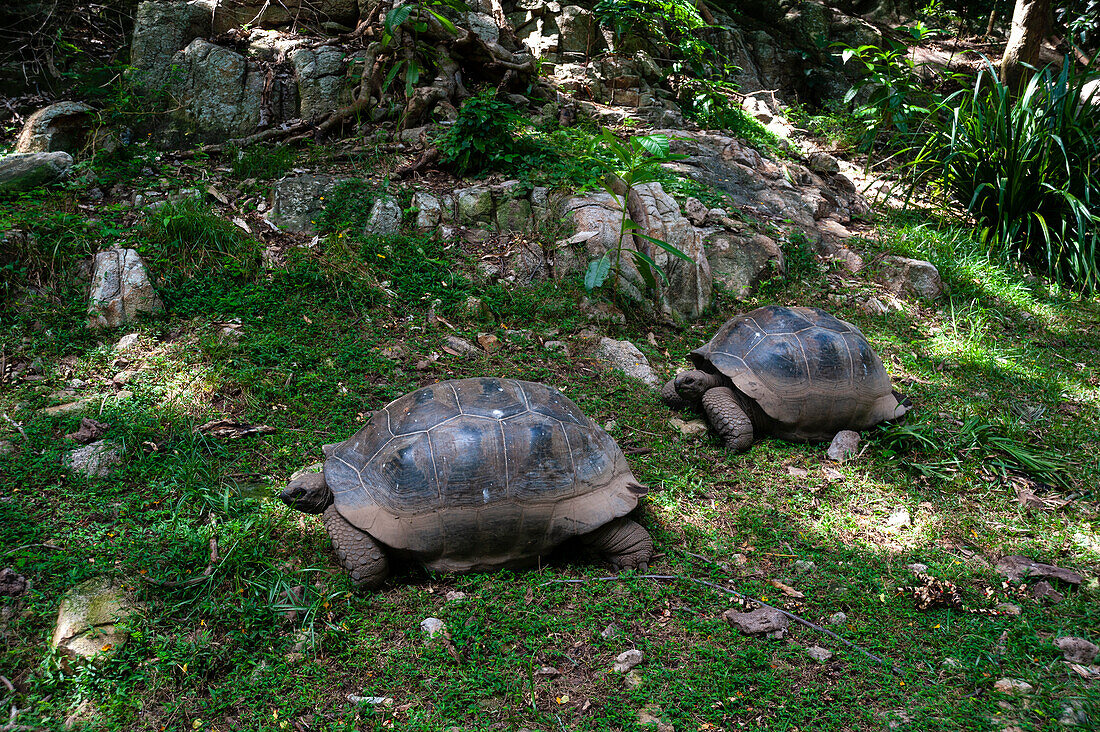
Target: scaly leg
point(728, 418)
point(360, 555)
point(625, 544)
point(671, 397)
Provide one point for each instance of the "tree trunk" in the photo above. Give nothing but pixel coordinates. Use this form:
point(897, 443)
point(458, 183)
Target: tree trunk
point(1030, 21)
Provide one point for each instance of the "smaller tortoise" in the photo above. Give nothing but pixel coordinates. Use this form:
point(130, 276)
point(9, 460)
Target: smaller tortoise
point(799, 374)
point(474, 475)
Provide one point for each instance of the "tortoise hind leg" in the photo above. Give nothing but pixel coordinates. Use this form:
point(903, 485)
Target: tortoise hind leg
point(625, 544)
point(728, 418)
point(359, 554)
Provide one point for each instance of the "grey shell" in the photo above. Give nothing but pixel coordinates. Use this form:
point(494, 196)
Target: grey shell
point(811, 373)
point(480, 473)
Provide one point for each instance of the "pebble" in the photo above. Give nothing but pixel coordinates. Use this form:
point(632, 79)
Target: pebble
point(548, 672)
point(6, 447)
point(453, 595)
point(432, 626)
point(917, 568)
point(633, 680)
point(837, 619)
point(1009, 609)
point(1073, 714)
point(819, 654)
point(1077, 650)
point(689, 428)
point(127, 341)
point(764, 621)
point(557, 347)
point(803, 566)
point(650, 716)
point(1013, 687)
point(951, 663)
point(461, 346)
point(899, 519)
point(611, 631)
point(627, 660)
point(844, 447)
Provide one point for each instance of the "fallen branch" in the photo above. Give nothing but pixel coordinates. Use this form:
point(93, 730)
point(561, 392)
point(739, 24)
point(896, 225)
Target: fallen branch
point(679, 578)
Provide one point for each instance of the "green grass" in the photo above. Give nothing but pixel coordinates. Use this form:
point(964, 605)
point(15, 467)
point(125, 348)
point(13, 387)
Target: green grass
point(318, 352)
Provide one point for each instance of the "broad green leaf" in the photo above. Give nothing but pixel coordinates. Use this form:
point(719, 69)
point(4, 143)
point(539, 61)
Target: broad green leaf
point(597, 273)
point(667, 247)
point(397, 16)
point(647, 267)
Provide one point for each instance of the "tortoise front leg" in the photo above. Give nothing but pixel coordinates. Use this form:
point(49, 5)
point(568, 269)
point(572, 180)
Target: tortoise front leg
point(359, 554)
point(624, 543)
point(671, 397)
point(728, 418)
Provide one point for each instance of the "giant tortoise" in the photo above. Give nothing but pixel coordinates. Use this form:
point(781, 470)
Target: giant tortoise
point(796, 373)
point(474, 475)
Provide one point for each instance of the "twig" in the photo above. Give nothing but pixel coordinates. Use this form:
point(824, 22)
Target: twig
point(679, 578)
point(4, 680)
point(28, 546)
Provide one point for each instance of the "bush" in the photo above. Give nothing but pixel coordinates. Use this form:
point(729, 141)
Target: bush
point(1028, 169)
point(489, 134)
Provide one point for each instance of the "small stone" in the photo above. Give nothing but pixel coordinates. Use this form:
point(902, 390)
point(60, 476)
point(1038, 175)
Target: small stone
point(627, 660)
point(489, 342)
point(12, 584)
point(68, 408)
point(819, 654)
point(1016, 568)
point(611, 631)
point(123, 377)
point(633, 680)
point(1009, 609)
point(610, 425)
point(89, 620)
point(803, 566)
point(899, 519)
point(625, 357)
point(557, 347)
point(127, 342)
point(689, 428)
point(294, 658)
point(1013, 687)
point(94, 460)
point(1043, 590)
point(740, 560)
point(548, 672)
point(6, 447)
point(650, 716)
point(764, 621)
point(453, 595)
point(1073, 714)
point(474, 307)
point(837, 619)
point(951, 664)
point(461, 346)
point(917, 568)
point(820, 162)
point(1077, 650)
point(395, 352)
point(844, 447)
point(432, 626)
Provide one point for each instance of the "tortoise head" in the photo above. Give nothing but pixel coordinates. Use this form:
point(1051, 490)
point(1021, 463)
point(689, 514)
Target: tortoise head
point(308, 493)
point(692, 384)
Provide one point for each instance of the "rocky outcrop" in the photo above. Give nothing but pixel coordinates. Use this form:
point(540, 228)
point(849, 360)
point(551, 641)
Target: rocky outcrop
point(217, 92)
point(296, 200)
point(23, 171)
point(120, 289)
point(61, 127)
point(321, 75)
point(332, 15)
point(160, 30)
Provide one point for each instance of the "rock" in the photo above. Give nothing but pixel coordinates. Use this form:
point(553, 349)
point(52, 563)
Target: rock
point(126, 342)
point(429, 210)
point(321, 73)
point(89, 430)
point(68, 407)
point(917, 568)
point(627, 660)
point(557, 347)
point(92, 617)
point(695, 211)
point(12, 584)
point(160, 30)
point(61, 127)
point(475, 308)
point(820, 162)
point(216, 92)
point(951, 664)
point(23, 171)
point(844, 447)
point(294, 658)
point(579, 32)
point(649, 717)
point(739, 262)
point(120, 289)
point(764, 621)
point(803, 566)
point(633, 680)
point(625, 356)
point(819, 654)
point(1043, 590)
point(1008, 608)
point(385, 217)
point(267, 14)
point(461, 346)
point(689, 428)
point(912, 277)
point(899, 519)
point(297, 200)
point(1017, 567)
point(548, 672)
point(1013, 687)
point(1077, 650)
point(837, 619)
point(1073, 714)
point(611, 631)
point(432, 627)
point(6, 447)
point(94, 460)
point(475, 205)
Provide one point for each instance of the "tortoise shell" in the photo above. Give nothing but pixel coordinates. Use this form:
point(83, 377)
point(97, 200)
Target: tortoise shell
point(477, 474)
point(812, 374)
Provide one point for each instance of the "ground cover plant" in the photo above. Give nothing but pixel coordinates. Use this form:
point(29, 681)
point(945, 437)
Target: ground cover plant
point(274, 638)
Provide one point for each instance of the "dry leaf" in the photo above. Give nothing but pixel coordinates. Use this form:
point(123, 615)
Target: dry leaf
point(1085, 672)
point(489, 342)
point(786, 589)
point(232, 429)
point(832, 474)
point(241, 223)
point(797, 472)
point(218, 195)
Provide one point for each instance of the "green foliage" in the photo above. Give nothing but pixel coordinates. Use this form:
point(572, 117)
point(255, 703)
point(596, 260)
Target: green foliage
point(895, 103)
point(261, 161)
point(489, 134)
point(712, 105)
point(672, 26)
point(1027, 169)
point(348, 207)
point(635, 163)
point(182, 239)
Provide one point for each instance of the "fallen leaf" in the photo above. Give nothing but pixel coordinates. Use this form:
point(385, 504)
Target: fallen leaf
point(89, 430)
point(218, 195)
point(489, 342)
point(832, 474)
point(786, 589)
point(241, 223)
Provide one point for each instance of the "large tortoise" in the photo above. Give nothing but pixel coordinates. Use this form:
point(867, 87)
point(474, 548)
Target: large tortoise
point(474, 475)
point(797, 373)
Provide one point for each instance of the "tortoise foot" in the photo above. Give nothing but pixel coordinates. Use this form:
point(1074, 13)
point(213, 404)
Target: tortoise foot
point(359, 554)
point(728, 418)
point(624, 543)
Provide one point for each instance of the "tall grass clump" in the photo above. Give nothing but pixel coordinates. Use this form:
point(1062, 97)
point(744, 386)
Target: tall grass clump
point(1027, 167)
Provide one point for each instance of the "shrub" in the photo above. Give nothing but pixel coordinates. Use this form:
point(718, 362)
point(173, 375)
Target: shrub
point(1027, 169)
point(489, 134)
